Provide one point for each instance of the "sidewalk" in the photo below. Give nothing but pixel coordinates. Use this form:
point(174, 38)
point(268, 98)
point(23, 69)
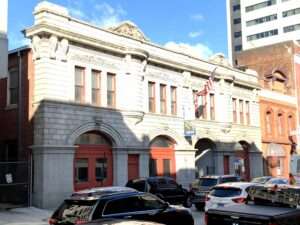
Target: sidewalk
point(24, 216)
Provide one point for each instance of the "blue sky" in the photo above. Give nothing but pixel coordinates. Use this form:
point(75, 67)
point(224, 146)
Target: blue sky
point(198, 26)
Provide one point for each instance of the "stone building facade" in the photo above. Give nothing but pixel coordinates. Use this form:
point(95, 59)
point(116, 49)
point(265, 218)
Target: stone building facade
point(279, 108)
point(108, 105)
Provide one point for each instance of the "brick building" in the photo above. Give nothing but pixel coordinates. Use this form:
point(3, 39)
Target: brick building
point(107, 105)
point(279, 110)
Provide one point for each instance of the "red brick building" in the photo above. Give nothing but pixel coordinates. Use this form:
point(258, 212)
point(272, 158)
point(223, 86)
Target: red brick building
point(15, 140)
point(278, 101)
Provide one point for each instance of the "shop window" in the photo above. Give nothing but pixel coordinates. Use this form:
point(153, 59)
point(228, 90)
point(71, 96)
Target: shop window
point(79, 84)
point(111, 90)
point(81, 170)
point(96, 85)
point(101, 169)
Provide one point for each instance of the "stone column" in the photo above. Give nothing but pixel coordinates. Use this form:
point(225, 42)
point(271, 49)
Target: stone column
point(144, 164)
point(53, 174)
point(120, 166)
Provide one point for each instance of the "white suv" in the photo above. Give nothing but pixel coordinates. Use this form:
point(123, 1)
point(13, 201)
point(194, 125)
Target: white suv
point(227, 194)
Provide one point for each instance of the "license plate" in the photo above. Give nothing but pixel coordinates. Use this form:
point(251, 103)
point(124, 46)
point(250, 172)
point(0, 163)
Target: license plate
point(220, 205)
point(200, 194)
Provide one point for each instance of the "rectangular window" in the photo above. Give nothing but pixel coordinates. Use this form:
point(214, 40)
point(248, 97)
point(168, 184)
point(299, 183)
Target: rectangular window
point(234, 112)
point(96, 84)
point(291, 28)
point(81, 170)
point(13, 87)
point(173, 100)
point(163, 99)
point(101, 169)
point(236, 7)
point(241, 107)
point(212, 106)
point(238, 48)
point(260, 5)
point(237, 21)
point(247, 113)
point(167, 167)
point(237, 34)
point(291, 12)
point(111, 90)
point(261, 20)
point(79, 84)
point(262, 35)
point(151, 96)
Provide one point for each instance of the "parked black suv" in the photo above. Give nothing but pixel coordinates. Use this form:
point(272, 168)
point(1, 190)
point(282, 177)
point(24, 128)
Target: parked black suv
point(165, 188)
point(201, 187)
point(119, 203)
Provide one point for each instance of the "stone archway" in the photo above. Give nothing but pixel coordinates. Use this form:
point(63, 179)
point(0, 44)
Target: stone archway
point(162, 156)
point(204, 158)
point(93, 161)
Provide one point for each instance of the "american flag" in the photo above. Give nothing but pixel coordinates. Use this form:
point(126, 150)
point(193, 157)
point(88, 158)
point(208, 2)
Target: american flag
point(209, 85)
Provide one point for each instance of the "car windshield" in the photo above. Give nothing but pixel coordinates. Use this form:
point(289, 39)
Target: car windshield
point(208, 182)
point(71, 211)
point(260, 180)
point(225, 192)
point(277, 181)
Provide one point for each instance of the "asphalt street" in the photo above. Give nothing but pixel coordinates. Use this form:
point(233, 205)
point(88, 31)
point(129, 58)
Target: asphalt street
point(35, 216)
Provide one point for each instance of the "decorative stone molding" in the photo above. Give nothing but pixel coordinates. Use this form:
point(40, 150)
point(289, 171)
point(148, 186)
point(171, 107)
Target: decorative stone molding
point(129, 29)
point(36, 44)
point(53, 45)
point(187, 82)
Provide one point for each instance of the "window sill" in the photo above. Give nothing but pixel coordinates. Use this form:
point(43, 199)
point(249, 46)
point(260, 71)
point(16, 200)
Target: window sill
point(11, 107)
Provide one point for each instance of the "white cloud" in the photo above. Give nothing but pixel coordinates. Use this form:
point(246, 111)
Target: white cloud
point(195, 34)
point(198, 50)
point(102, 15)
point(197, 17)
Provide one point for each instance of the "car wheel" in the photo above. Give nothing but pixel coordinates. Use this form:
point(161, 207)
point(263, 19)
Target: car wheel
point(199, 206)
point(188, 202)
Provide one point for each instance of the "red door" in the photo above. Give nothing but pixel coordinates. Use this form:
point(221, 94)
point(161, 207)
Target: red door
point(162, 162)
point(93, 167)
point(226, 164)
point(133, 166)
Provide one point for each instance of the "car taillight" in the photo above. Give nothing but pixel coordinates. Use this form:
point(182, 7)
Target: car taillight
point(81, 221)
point(239, 200)
point(52, 221)
point(206, 218)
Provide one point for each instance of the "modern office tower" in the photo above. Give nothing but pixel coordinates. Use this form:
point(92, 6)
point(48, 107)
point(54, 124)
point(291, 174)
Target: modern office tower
point(257, 23)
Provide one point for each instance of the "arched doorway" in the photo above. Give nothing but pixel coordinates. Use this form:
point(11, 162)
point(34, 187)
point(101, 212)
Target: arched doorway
point(241, 162)
point(204, 162)
point(93, 163)
point(162, 157)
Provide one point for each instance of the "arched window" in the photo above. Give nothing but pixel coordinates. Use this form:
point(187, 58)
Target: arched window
point(162, 141)
point(290, 123)
point(93, 138)
point(269, 128)
point(280, 124)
